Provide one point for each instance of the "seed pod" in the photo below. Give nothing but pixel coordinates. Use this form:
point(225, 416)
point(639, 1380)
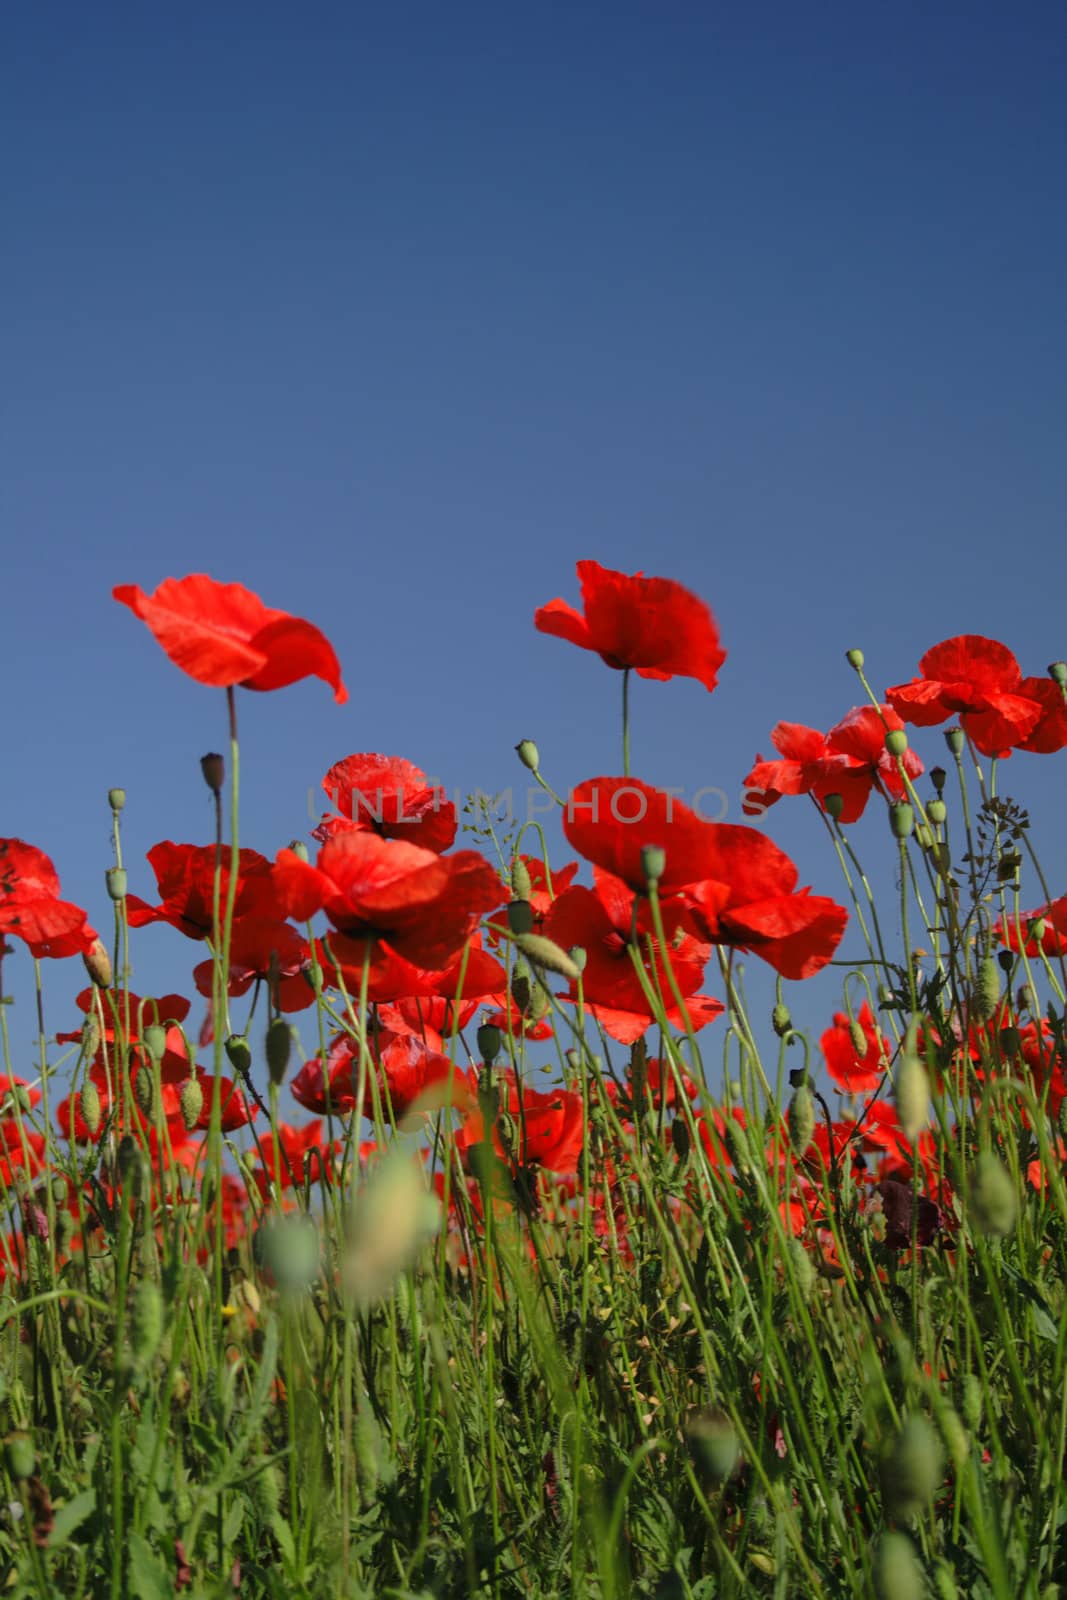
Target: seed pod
point(994, 1202)
point(855, 659)
point(115, 878)
point(520, 916)
point(144, 1091)
point(528, 754)
point(490, 1040)
point(913, 1470)
point(653, 862)
point(955, 740)
point(985, 991)
point(214, 769)
point(902, 819)
point(833, 805)
point(91, 1109)
point(279, 1046)
point(897, 1573)
point(98, 965)
point(191, 1103)
point(801, 1119)
point(116, 799)
point(937, 811)
point(896, 741)
point(239, 1054)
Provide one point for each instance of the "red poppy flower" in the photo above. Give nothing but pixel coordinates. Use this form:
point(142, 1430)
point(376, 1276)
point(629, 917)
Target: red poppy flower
point(650, 624)
point(237, 1109)
point(262, 950)
point(853, 1071)
point(389, 797)
point(1053, 935)
point(418, 905)
point(406, 1071)
point(977, 680)
point(185, 875)
point(169, 1008)
point(548, 1126)
point(850, 760)
point(222, 634)
point(1050, 731)
point(30, 907)
point(724, 883)
point(285, 1166)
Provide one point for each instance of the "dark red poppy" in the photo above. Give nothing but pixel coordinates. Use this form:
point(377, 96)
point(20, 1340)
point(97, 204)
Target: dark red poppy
point(724, 883)
point(264, 951)
point(222, 634)
point(850, 760)
point(30, 907)
point(418, 905)
point(185, 875)
point(977, 680)
point(852, 1070)
point(389, 797)
point(650, 624)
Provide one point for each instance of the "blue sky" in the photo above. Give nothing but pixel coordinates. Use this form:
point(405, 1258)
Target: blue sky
point(394, 313)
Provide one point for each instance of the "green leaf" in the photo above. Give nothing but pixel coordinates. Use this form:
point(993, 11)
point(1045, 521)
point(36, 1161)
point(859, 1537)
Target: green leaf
point(70, 1516)
point(148, 1578)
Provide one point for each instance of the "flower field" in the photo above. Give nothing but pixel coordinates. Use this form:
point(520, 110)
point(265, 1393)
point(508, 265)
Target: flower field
point(456, 1226)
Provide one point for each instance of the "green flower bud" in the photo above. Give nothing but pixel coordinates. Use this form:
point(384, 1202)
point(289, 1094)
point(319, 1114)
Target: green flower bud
point(520, 916)
point(490, 1040)
point(898, 1574)
point(116, 799)
point(857, 1038)
point(781, 1021)
point(803, 1268)
point(528, 754)
point(833, 805)
point(521, 885)
point(299, 849)
point(653, 862)
point(19, 1455)
point(579, 955)
point(115, 878)
point(954, 738)
point(913, 1470)
point(985, 991)
point(937, 811)
point(994, 1201)
point(279, 1047)
point(91, 1109)
point(801, 1119)
point(896, 741)
point(155, 1041)
point(901, 819)
point(547, 953)
point(911, 1092)
point(955, 1436)
point(191, 1102)
point(855, 659)
point(972, 1400)
point(1058, 673)
point(239, 1054)
point(144, 1090)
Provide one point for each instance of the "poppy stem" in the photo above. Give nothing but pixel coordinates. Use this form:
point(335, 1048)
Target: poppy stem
point(626, 722)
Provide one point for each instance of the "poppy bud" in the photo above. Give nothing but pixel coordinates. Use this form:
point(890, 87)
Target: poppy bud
point(547, 953)
point(98, 965)
point(279, 1046)
point(714, 1443)
point(972, 1400)
point(1011, 1043)
point(1058, 673)
point(91, 1109)
point(653, 862)
point(528, 754)
point(901, 819)
point(115, 878)
point(520, 916)
point(781, 1021)
point(858, 1038)
point(985, 991)
point(954, 1434)
point(116, 799)
point(898, 1574)
point(855, 659)
point(994, 1202)
point(938, 776)
point(214, 769)
point(911, 1092)
point(521, 886)
point(833, 805)
point(490, 1040)
point(955, 740)
point(155, 1040)
point(803, 1269)
point(19, 1455)
point(896, 741)
point(913, 1470)
point(146, 1322)
point(191, 1102)
point(299, 849)
point(937, 811)
point(239, 1054)
point(290, 1250)
point(680, 1138)
point(1036, 930)
point(144, 1090)
point(801, 1119)
point(579, 955)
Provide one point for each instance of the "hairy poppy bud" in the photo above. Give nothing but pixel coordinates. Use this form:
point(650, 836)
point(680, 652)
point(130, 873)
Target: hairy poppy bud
point(985, 991)
point(653, 862)
point(781, 1021)
point(155, 1040)
point(98, 965)
point(116, 799)
point(144, 1091)
point(548, 954)
point(528, 754)
point(896, 741)
point(937, 811)
point(490, 1040)
point(1058, 673)
point(972, 1400)
point(520, 916)
point(833, 805)
point(858, 1038)
point(91, 1109)
point(239, 1053)
point(994, 1202)
point(901, 819)
point(801, 1119)
point(521, 886)
point(911, 1091)
point(19, 1455)
point(898, 1574)
point(115, 878)
point(214, 769)
point(191, 1102)
point(913, 1470)
point(855, 659)
point(955, 740)
point(279, 1046)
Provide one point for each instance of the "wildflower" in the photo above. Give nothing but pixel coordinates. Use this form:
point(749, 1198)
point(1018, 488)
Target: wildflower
point(30, 907)
point(389, 797)
point(851, 760)
point(979, 681)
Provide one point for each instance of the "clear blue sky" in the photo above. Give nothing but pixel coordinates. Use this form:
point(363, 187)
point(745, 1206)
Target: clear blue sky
point(393, 313)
